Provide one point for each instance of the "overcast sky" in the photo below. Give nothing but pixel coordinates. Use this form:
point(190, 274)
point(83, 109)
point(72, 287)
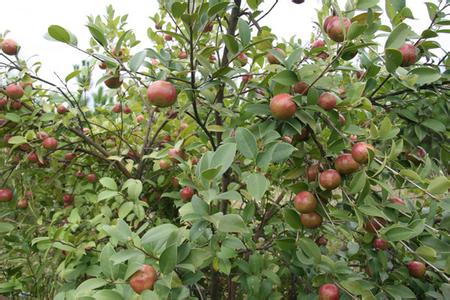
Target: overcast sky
point(28, 22)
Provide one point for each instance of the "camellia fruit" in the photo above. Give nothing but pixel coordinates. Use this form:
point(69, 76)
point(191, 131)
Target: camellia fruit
point(311, 220)
point(329, 291)
point(6, 195)
point(164, 164)
point(68, 199)
point(345, 164)
point(32, 157)
point(143, 279)
point(167, 37)
point(242, 58)
point(272, 59)
point(305, 202)
point(318, 44)
point(91, 177)
point(175, 154)
point(330, 179)
point(328, 21)
point(397, 200)
point(327, 101)
point(22, 203)
point(117, 108)
point(113, 82)
point(312, 171)
point(380, 244)
point(337, 28)
point(182, 55)
point(360, 152)
point(50, 143)
point(140, 118)
point(10, 47)
point(161, 93)
point(246, 78)
point(127, 110)
point(416, 269)
point(62, 109)
point(301, 137)
point(409, 54)
point(186, 193)
point(14, 91)
point(374, 224)
point(283, 107)
point(69, 156)
point(301, 88)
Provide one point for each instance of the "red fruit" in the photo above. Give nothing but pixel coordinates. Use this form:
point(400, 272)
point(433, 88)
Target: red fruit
point(287, 139)
point(353, 138)
point(175, 154)
point(132, 154)
point(329, 291)
point(10, 47)
point(327, 101)
point(345, 164)
point(397, 200)
point(360, 74)
point(186, 193)
point(140, 118)
point(25, 147)
point(175, 182)
point(342, 120)
point(158, 26)
point(305, 202)
point(164, 164)
point(321, 241)
point(312, 172)
point(246, 78)
point(330, 179)
point(14, 91)
point(183, 126)
point(360, 152)
point(283, 107)
point(161, 93)
point(301, 87)
point(69, 156)
point(143, 279)
point(22, 203)
point(420, 152)
point(32, 157)
point(272, 59)
point(409, 54)
point(7, 137)
point(29, 194)
point(62, 109)
point(337, 28)
point(79, 174)
point(92, 177)
point(102, 65)
point(113, 82)
point(3, 102)
point(311, 220)
point(380, 244)
point(212, 58)
point(318, 44)
point(16, 104)
point(242, 58)
point(328, 21)
point(68, 199)
point(194, 161)
point(6, 195)
point(127, 110)
point(208, 27)
point(301, 137)
point(42, 135)
point(416, 269)
point(117, 108)
point(167, 37)
point(182, 55)
point(373, 225)
point(50, 143)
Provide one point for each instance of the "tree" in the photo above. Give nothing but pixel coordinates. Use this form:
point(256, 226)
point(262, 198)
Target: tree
point(178, 180)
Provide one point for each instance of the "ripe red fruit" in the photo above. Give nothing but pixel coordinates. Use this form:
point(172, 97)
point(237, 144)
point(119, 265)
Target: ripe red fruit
point(50, 143)
point(330, 179)
point(161, 93)
point(186, 193)
point(91, 177)
point(416, 269)
point(409, 54)
point(16, 104)
point(164, 164)
point(287, 139)
point(318, 44)
point(117, 108)
point(242, 58)
point(374, 224)
point(420, 152)
point(14, 91)
point(208, 27)
point(6, 195)
point(3, 102)
point(62, 109)
point(301, 87)
point(79, 174)
point(113, 82)
point(283, 107)
point(32, 157)
point(312, 172)
point(10, 47)
point(360, 152)
point(329, 291)
point(69, 156)
point(305, 202)
point(328, 21)
point(380, 244)
point(127, 110)
point(29, 194)
point(345, 164)
point(337, 28)
point(22, 203)
point(327, 101)
point(194, 161)
point(143, 279)
point(397, 200)
point(272, 59)
point(182, 55)
point(140, 118)
point(167, 37)
point(42, 135)
point(68, 199)
point(321, 241)
point(246, 78)
point(175, 182)
point(102, 65)
point(175, 154)
point(25, 147)
point(301, 137)
point(311, 220)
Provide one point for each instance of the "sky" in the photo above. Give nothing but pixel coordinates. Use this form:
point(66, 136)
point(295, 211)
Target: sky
point(28, 22)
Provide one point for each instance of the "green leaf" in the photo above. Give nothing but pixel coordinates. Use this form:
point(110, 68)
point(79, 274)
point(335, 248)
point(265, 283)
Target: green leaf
point(97, 34)
point(285, 78)
point(104, 195)
point(59, 34)
point(168, 259)
point(72, 75)
point(282, 151)
point(244, 31)
point(257, 185)
point(393, 59)
point(125, 209)
point(358, 182)
point(107, 295)
point(224, 156)
point(178, 9)
point(398, 36)
point(6, 227)
point(426, 75)
point(292, 218)
point(246, 143)
point(217, 8)
point(310, 249)
point(355, 30)
point(230, 43)
point(210, 174)
point(134, 188)
point(365, 4)
point(231, 223)
point(17, 140)
point(399, 292)
point(426, 252)
point(125, 255)
point(434, 125)
point(137, 60)
point(91, 284)
point(108, 183)
point(439, 185)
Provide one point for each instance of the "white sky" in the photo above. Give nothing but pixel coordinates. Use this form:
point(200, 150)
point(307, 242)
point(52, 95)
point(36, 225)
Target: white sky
point(28, 22)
